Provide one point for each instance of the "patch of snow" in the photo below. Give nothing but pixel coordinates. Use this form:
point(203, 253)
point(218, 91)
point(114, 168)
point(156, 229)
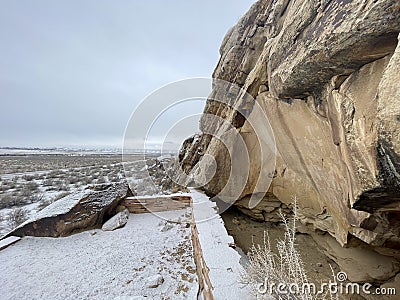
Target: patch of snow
point(223, 262)
point(105, 265)
point(59, 207)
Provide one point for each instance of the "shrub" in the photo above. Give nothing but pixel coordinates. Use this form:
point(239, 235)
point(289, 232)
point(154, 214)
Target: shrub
point(54, 174)
point(11, 199)
point(48, 182)
point(28, 190)
point(286, 267)
point(59, 185)
point(72, 179)
point(86, 180)
point(113, 178)
point(62, 187)
point(40, 176)
point(16, 217)
point(101, 180)
point(7, 185)
point(36, 197)
point(28, 177)
point(61, 195)
point(33, 186)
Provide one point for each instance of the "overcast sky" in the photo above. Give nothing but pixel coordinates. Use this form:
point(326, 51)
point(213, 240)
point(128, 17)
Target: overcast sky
point(71, 72)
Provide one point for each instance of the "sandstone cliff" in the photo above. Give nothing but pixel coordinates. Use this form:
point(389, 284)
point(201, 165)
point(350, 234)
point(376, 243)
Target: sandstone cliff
point(327, 75)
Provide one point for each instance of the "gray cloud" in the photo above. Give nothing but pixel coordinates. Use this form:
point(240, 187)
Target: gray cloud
point(71, 72)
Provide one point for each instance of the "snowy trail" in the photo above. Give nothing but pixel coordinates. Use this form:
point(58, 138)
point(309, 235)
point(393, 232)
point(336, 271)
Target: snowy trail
point(222, 260)
point(103, 265)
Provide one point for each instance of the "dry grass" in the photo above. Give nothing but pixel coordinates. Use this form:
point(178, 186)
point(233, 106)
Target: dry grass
point(267, 269)
point(16, 217)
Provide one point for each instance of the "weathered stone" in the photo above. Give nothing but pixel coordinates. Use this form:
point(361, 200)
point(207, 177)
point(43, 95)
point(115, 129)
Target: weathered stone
point(167, 226)
point(74, 213)
point(154, 281)
point(270, 209)
point(117, 221)
point(361, 264)
point(392, 284)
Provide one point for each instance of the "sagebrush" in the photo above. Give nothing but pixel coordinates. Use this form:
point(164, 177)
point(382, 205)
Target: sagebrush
point(267, 269)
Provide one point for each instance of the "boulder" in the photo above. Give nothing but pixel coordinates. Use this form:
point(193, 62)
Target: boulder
point(74, 213)
point(154, 281)
point(117, 221)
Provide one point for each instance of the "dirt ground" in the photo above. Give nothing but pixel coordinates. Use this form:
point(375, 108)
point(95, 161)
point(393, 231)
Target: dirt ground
point(246, 231)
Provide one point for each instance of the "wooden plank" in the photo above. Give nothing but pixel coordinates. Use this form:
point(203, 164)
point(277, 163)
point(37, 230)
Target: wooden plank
point(206, 287)
point(156, 204)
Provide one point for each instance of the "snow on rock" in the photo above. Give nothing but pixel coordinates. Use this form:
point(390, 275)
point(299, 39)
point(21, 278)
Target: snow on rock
point(8, 241)
point(117, 221)
point(154, 281)
point(107, 265)
point(167, 226)
point(73, 213)
point(223, 262)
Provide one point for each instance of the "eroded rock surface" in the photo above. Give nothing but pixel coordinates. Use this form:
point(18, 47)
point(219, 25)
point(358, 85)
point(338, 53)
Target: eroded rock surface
point(326, 74)
point(74, 213)
point(361, 264)
point(270, 209)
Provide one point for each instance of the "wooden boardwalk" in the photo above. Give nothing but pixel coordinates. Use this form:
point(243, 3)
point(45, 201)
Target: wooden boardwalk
point(139, 205)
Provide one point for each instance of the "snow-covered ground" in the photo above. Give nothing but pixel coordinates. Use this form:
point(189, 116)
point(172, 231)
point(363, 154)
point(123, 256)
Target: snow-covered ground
point(104, 265)
point(124, 263)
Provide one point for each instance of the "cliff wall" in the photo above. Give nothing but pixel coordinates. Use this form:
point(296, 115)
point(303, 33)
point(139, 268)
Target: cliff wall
point(327, 76)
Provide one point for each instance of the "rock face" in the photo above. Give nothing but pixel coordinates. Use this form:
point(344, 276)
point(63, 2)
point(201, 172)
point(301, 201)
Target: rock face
point(270, 209)
point(74, 213)
point(360, 263)
point(327, 75)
